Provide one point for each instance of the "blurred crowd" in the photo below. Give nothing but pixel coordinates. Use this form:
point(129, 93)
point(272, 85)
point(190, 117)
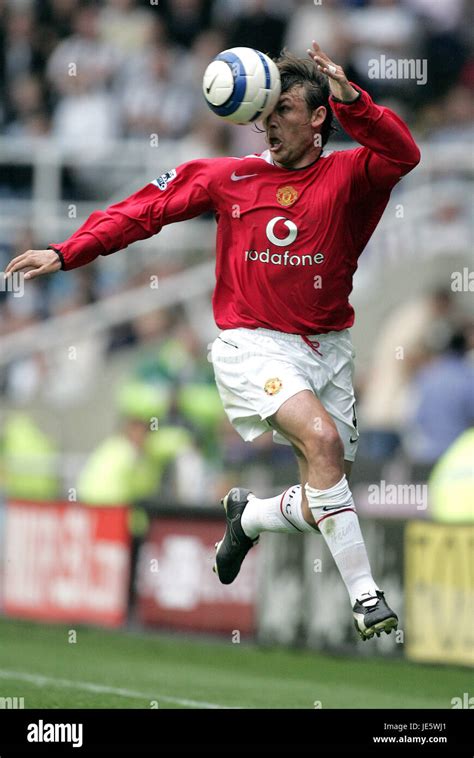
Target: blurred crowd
point(85, 73)
point(89, 71)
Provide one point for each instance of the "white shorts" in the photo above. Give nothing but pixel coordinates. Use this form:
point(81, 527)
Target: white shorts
point(257, 370)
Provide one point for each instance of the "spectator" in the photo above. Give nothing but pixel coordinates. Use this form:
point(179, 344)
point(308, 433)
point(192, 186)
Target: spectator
point(439, 16)
point(257, 27)
point(80, 71)
point(396, 354)
point(28, 460)
point(124, 26)
point(186, 19)
point(28, 114)
point(158, 104)
point(86, 119)
point(442, 400)
point(326, 22)
point(134, 67)
point(128, 466)
point(443, 44)
point(451, 483)
point(449, 228)
point(82, 60)
point(383, 28)
point(456, 122)
point(21, 51)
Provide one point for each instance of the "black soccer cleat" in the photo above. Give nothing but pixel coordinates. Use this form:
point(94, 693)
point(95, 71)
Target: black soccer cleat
point(234, 546)
point(374, 618)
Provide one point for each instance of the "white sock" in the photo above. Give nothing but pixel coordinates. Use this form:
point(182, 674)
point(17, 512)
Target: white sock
point(334, 512)
point(282, 513)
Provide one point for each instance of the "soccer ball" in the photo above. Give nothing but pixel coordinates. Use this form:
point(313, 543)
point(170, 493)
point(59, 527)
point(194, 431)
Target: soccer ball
point(242, 85)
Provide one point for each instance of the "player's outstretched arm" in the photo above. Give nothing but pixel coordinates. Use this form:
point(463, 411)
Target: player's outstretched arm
point(179, 194)
point(34, 263)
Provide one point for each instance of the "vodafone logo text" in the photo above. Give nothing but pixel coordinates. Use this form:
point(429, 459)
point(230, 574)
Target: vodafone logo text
point(280, 258)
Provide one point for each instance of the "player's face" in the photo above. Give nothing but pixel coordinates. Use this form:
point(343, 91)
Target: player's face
point(290, 130)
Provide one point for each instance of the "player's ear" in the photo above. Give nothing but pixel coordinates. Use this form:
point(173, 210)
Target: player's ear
point(318, 116)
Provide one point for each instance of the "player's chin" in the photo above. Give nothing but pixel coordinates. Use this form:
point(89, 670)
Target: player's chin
point(276, 148)
point(283, 157)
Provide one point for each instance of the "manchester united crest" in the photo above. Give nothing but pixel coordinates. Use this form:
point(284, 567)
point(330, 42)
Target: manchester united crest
point(287, 195)
point(272, 386)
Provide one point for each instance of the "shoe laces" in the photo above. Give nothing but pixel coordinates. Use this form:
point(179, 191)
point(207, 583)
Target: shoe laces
point(368, 602)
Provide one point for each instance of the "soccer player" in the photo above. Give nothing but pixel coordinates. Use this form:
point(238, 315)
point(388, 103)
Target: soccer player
point(291, 225)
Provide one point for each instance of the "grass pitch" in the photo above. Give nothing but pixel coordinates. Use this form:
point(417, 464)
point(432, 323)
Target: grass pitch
point(110, 669)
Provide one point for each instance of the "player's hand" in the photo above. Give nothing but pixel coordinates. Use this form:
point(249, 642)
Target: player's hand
point(34, 263)
point(338, 83)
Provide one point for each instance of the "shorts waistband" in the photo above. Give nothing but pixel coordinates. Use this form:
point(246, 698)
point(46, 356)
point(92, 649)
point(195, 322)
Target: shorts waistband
point(296, 337)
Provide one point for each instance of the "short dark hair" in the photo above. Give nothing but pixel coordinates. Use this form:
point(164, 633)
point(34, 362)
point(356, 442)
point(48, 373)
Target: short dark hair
point(299, 71)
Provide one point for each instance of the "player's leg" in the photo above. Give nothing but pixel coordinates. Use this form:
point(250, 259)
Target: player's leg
point(249, 515)
point(306, 423)
point(287, 512)
point(244, 364)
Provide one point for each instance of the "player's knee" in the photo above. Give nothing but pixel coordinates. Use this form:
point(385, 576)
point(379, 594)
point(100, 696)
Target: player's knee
point(325, 442)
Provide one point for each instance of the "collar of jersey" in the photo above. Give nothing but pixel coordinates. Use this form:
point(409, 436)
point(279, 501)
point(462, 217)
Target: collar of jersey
point(301, 168)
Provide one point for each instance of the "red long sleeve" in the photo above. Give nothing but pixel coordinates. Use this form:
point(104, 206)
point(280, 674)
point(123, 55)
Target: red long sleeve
point(175, 196)
point(389, 151)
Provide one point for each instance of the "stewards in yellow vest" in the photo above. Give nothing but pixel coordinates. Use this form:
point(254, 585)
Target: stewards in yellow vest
point(201, 406)
point(28, 460)
point(451, 483)
point(128, 466)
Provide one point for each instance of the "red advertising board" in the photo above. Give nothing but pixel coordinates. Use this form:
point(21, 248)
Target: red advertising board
point(177, 587)
point(65, 562)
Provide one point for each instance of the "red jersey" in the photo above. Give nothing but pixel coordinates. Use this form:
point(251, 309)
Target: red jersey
point(288, 240)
